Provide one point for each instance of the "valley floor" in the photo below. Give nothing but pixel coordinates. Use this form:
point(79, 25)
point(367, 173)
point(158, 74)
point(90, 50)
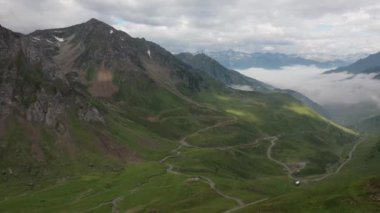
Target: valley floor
point(167, 187)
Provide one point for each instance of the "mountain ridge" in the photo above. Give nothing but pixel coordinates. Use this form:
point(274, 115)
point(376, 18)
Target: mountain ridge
point(369, 125)
point(240, 60)
point(367, 65)
point(238, 81)
point(217, 71)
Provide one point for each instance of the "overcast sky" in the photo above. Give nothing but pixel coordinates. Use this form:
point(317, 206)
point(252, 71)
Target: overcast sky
point(305, 27)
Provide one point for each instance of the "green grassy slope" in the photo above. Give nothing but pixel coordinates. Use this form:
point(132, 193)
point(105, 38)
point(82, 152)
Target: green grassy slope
point(129, 128)
point(117, 164)
point(355, 189)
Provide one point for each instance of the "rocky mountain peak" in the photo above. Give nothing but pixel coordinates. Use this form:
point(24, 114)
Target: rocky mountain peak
point(49, 67)
point(95, 21)
point(6, 34)
point(96, 25)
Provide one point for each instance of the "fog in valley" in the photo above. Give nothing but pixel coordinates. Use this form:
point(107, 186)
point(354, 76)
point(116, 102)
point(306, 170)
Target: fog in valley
point(348, 98)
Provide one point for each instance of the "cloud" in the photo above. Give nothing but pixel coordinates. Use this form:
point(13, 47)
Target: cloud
point(268, 48)
point(326, 89)
point(241, 87)
point(26, 16)
point(291, 26)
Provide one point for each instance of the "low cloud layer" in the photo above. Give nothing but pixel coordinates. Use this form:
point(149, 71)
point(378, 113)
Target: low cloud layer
point(290, 26)
point(326, 89)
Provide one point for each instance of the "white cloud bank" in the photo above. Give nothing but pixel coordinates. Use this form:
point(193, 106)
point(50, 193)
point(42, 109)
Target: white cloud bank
point(325, 89)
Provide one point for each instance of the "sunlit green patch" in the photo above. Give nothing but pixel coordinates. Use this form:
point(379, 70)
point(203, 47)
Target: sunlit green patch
point(223, 98)
point(248, 116)
point(303, 110)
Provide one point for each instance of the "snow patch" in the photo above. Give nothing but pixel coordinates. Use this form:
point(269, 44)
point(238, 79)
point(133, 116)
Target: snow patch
point(149, 53)
point(58, 39)
point(36, 38)
point(111, 31)
point(49, 41)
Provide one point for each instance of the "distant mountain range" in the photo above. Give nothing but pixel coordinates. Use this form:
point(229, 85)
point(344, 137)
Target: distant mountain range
point(241, 60)
point(368, 65)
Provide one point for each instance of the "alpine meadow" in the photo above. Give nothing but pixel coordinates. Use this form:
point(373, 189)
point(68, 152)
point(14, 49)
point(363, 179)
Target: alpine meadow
point(154, 106)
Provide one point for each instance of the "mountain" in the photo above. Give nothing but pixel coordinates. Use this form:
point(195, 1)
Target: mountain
point(240, 60)
point(57, 86)
point(235, 80)
point(92, 55)
point(368, 65)
point(92, 119)
point(306, 101)
point(371, 125)
point(218, 72)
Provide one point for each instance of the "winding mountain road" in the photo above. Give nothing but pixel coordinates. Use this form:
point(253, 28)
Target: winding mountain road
point(269, 156)
point(337, 171)
point(183, 143)
point(272, 139)
point(310, 178)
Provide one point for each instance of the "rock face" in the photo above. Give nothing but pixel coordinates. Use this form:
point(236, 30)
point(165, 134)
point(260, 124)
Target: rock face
point(28, 80)
point(45, 109)
point(43, 72)
point(90, 115)
point(10, 45)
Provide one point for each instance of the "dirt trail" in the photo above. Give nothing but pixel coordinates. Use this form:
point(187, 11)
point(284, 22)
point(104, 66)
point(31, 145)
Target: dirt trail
point(245, 205)
point(310, 178)
point(269, 156)
point(337, 171)
point(350, 154)
point(115, 208)
point(221, 123)
point(239, 203)
point(211, 183)
point(183, 143)
point(113, 203)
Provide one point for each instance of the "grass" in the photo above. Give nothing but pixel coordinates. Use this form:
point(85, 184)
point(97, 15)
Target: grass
point(302, 110)
point(88, 166)
point(118, 161)
point(140, 186)
point(348, 191)
point(244, 115)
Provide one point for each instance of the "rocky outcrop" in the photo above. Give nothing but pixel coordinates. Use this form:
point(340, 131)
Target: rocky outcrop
point(90, 114)
point(45, 109)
